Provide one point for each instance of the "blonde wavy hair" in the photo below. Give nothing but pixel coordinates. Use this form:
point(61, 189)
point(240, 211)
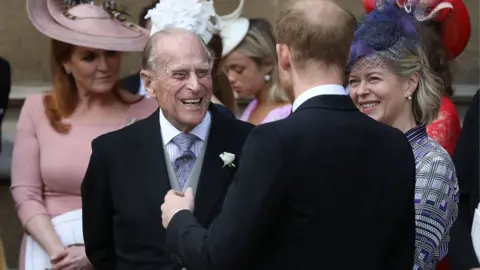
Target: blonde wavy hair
point(259, 44)
point(427, 98)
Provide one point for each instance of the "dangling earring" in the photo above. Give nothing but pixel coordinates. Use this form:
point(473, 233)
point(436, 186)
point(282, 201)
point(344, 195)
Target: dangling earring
point(267, 77)
point(409, 97)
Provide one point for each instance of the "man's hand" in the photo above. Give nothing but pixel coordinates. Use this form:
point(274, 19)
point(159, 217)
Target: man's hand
point(174, 202)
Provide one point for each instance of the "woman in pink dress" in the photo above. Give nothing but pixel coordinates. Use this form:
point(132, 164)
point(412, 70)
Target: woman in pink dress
point(250, 63)
point(55, 129)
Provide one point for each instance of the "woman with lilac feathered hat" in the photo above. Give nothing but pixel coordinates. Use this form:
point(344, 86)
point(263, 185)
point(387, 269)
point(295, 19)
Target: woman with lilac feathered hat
point(444, 28)
point(391, 81)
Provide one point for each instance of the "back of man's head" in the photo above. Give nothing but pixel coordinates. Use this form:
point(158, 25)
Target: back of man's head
point(316, 31)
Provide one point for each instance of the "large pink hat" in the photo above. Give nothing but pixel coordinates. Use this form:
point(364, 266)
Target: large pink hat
point(85, 24)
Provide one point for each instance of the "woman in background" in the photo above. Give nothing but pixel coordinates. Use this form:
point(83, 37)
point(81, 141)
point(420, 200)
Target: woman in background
point(391, 81)
point(444, 31)
point(445, 129)
point(55, 129)
point(250, 63)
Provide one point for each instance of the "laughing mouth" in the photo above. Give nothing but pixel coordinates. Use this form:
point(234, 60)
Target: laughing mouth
point(192, 102)
point(369, 105)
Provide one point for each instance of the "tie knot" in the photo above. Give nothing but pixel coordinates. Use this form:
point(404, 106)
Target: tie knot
point(184, 141)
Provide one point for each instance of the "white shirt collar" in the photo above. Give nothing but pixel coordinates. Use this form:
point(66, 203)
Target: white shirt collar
point(328, 89)
point(169, 131)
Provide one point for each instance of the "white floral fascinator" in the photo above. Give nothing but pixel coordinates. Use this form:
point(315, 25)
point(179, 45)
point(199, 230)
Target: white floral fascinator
point(192, 15)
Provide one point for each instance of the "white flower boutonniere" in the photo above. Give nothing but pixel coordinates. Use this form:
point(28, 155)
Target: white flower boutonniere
point(228, 159)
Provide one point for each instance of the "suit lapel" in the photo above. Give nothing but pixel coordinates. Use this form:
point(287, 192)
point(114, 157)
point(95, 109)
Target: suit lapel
point(214, 178)
point(152, 172)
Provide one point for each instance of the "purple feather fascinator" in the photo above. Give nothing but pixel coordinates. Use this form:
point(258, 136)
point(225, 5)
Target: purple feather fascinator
point(387, 29)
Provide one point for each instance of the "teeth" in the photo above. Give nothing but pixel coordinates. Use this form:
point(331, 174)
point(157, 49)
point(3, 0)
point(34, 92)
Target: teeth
point(192, 101)
point(370, 105)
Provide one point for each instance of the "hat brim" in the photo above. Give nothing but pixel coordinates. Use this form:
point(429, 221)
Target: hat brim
point(233, 34)
point(42, 20)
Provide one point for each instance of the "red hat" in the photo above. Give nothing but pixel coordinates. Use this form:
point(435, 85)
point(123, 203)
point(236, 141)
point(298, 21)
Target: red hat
point(451, 14)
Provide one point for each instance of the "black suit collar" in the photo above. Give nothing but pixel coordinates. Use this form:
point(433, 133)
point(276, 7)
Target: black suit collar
point(332, 102)
point(214, 178)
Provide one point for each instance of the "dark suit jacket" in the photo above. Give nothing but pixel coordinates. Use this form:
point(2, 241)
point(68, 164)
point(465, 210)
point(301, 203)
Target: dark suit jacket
point(326, 188)
point(126, 182)
point(131, 83)
point(466, 158)
point(5, 85)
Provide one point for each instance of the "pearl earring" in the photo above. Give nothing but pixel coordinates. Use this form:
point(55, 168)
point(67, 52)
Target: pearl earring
point(267, 77)
point(409, 97)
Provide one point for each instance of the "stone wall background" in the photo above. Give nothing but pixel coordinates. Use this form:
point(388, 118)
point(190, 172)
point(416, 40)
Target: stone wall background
point(28, 50)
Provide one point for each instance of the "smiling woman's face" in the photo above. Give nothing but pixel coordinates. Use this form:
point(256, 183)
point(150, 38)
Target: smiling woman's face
point(378, 92)
point(94, 70)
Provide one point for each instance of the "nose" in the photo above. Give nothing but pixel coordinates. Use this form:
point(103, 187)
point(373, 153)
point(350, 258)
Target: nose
point(193, 83)
point(361, 89)
point(230, 77)
point(103, 65)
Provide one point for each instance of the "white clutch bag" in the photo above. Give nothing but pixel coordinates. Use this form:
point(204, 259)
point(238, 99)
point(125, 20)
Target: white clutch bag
point(70, 230)
point(476, 231)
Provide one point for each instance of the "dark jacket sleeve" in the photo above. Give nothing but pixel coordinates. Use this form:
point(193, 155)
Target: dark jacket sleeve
point(97, 213)
point(461, 253)
point(250, 205)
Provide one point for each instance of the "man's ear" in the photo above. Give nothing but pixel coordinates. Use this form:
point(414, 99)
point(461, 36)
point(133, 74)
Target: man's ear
point(283, 54)
point(148, 83)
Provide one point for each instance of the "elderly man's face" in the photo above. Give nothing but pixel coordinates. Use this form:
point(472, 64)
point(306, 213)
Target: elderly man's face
point(182, 83)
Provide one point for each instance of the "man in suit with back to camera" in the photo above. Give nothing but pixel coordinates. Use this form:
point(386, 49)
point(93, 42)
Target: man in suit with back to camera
point(178, 146)
point(326, 188)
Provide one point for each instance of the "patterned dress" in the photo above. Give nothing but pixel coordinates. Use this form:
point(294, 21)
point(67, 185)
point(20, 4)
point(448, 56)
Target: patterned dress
point(436, 199)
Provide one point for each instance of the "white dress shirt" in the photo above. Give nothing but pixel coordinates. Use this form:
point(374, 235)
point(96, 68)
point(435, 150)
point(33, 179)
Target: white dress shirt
point(169, 132)
point(328, 89)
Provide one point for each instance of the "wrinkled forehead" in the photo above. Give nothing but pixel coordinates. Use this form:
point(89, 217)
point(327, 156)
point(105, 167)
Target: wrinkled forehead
point(184, 58)
point(368, 64)
point(187, 60)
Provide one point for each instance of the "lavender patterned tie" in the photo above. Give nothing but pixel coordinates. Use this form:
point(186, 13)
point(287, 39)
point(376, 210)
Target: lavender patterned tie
point(186, 160)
